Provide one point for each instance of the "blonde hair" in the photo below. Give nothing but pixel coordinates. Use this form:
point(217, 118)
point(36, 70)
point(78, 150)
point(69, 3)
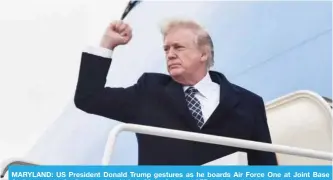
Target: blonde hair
point(202, 39)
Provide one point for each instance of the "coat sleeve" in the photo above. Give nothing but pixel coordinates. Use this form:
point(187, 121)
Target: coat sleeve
point(93, 97)
point(261, 133)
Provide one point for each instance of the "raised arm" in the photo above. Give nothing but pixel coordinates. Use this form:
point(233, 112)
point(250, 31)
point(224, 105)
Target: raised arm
point(92, 96)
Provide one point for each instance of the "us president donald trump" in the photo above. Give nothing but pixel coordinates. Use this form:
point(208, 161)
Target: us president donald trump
point(190, 98)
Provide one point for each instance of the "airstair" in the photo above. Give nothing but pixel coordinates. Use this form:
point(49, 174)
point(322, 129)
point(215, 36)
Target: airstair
point(300, 125)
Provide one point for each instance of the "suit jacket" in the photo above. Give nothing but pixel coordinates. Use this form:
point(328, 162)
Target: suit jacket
point(157, 100)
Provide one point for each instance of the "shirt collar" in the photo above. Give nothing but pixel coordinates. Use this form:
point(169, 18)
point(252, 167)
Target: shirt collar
point(203, 86)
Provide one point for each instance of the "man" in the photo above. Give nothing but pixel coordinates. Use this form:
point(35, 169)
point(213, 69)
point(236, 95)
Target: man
point(191, 98)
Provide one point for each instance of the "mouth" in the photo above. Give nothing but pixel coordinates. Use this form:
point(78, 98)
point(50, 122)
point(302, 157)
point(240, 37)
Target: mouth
point(171, 66)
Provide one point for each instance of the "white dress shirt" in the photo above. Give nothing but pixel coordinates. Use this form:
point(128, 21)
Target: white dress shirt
point(99, 51)
point(209, 96)
point(209, 91)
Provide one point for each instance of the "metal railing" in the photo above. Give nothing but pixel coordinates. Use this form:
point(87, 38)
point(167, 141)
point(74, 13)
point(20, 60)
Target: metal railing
point(191, 136)
point(211, 139)
point(5, 165)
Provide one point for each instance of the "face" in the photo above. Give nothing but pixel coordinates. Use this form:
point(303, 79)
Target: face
point(184, 57)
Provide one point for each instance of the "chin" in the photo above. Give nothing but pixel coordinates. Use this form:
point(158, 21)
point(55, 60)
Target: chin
point(175, 72)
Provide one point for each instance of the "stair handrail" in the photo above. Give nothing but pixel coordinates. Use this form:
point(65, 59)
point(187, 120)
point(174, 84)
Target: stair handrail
point(206, 138)
point(14, 161)
point(191, 136)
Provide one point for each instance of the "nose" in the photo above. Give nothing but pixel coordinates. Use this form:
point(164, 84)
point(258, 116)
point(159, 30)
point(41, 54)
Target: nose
point(171, 54)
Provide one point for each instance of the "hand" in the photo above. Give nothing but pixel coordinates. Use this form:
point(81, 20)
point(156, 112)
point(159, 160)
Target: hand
point(117, 33)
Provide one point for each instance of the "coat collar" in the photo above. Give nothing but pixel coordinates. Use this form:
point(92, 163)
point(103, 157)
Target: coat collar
point(228, 97)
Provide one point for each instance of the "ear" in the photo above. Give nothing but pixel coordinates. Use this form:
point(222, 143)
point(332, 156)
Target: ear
point(204, 56)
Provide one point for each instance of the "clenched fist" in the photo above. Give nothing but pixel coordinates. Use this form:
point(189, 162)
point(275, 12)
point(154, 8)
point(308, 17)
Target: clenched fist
point(117, 33)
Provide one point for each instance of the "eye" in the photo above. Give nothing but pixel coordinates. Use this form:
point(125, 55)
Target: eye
point(179, 47)
point(165, 49)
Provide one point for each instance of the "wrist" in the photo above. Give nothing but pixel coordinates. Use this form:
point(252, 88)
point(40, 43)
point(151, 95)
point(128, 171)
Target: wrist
point(107, 45)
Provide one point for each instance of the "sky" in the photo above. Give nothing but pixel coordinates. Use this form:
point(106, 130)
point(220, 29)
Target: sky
point(41, 44)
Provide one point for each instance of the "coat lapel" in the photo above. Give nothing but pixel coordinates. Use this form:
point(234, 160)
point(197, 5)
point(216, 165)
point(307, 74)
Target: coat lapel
point(176, 97)
point(229, 98)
